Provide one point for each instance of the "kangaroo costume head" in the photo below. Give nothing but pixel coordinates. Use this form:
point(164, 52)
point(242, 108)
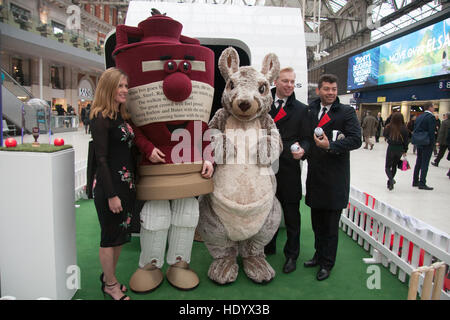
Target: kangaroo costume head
point(247, 91)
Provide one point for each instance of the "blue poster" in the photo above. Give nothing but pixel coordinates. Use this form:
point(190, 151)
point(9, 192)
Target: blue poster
point(363, 69)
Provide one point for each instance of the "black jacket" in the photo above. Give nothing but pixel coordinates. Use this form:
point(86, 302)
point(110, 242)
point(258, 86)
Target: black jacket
point(426, 122)
point(328, 179)
point(293, 127)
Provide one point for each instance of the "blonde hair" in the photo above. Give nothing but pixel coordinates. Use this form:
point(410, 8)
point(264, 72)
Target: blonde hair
point(286, 69)
point(105, 94)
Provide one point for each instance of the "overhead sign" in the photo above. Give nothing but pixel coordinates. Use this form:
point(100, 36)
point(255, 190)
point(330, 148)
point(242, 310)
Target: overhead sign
point(420, 54)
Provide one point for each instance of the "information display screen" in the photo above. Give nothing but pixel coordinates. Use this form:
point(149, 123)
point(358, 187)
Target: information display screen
point(420, 54)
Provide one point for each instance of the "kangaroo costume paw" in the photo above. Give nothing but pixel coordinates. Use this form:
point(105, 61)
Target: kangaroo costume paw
point(181, 277)
point(258, 269)
point(224, 270)
point(146, 279)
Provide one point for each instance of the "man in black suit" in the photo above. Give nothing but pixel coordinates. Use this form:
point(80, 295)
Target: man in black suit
point(328, 178)
point(291, 119)
point(425, 122)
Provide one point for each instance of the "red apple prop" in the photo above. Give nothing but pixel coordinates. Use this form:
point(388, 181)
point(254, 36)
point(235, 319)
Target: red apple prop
point(58, 142)
point(10, 142)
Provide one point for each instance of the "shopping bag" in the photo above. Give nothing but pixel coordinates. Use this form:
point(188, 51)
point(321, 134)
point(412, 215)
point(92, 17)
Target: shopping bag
point(403, 164)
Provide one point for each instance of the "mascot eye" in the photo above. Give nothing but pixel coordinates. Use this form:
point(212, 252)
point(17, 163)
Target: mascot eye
point(231, 85)
point(262, 89)
point(170, 66)
point(185, 67)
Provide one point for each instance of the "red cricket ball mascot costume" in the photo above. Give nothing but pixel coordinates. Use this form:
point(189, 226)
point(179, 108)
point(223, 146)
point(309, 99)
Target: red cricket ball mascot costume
point(171, 79)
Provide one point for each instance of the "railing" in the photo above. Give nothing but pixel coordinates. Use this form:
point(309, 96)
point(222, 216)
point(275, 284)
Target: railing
point(33, 24)
point(15, 87)
point(399, 242)
point(80, 180)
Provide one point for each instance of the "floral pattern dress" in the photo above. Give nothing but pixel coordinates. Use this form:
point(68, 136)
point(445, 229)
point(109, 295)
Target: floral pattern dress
point(113, 139)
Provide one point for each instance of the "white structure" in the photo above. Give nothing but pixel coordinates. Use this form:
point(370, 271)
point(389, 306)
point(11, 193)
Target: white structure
point(262, 29)
point(37, 235)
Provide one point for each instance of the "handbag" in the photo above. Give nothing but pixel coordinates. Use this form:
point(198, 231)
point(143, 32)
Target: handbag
point(403, 164)
point(420, 138)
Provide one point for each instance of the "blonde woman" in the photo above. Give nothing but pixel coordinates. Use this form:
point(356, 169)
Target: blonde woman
point(114, 192)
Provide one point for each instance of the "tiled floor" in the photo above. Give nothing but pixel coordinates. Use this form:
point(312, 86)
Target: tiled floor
point(367, 175)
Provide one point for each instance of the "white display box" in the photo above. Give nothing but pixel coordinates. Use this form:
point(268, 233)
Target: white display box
point(37, 225)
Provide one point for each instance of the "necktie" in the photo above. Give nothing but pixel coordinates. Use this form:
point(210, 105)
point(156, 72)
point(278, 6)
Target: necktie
point(280, 103)
point(324, 111)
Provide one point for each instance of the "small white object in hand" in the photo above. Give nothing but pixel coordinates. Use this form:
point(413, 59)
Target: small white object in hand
point(318, 132)
point(295, 147)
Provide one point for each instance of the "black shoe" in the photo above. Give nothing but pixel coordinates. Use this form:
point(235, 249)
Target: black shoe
point(435, 164)
point(415, 184)
point(390, 184)
point(290, 265)
point(323, 274)
point(425, 187)
point(311, 263)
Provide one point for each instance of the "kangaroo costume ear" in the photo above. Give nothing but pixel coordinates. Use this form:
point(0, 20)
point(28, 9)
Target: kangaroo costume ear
point(228, 62)
point(270, 67)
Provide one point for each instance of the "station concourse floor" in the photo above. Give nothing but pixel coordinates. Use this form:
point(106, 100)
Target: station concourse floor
point(367, 175)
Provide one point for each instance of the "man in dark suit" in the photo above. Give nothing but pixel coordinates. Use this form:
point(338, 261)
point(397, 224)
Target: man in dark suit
point(425, 122)
point(328, 179)
point(291, 119)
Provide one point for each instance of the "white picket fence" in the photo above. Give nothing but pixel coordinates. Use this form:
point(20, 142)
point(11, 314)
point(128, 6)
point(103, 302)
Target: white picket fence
point(80, 179)
point(399, 242)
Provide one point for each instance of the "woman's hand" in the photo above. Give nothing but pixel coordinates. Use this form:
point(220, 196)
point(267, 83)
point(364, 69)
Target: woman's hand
point(157, 156)
point(115, 205)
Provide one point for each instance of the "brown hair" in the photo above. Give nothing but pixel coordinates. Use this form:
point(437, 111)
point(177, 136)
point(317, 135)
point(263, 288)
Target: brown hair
point(328, 77)
point(104, 99)
point(395, 126)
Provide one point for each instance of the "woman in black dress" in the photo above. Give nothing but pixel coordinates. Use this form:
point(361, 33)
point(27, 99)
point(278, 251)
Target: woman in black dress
point(114, 192)
point(397, 137)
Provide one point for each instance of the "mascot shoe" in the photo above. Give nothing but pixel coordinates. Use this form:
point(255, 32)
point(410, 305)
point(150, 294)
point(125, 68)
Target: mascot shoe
point(181, 277)
point(146, 279)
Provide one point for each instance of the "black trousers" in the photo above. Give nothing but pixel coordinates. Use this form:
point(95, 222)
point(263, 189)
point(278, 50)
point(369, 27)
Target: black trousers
point(440, 155)
point(392, 158)
point(292, 220)
point(325, 224)
point(422, 162)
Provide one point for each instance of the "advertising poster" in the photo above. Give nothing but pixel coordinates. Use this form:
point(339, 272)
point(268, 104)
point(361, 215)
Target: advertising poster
point(421, 54)
point(363, 69)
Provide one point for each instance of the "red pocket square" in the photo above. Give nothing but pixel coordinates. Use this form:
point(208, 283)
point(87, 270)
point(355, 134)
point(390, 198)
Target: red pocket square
point(324, 120)
point(280, 115)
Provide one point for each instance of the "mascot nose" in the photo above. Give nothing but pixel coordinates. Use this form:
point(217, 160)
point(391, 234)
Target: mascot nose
point(244, 106)
point(177, 87)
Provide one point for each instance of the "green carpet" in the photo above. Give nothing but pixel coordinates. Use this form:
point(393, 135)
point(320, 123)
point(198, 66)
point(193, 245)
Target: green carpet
point(348, 280)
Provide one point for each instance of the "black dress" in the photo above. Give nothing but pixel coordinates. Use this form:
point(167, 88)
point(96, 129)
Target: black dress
point(115, 176)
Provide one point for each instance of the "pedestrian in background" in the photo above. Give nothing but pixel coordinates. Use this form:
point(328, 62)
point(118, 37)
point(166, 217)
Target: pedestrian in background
point(397, 137)
point(369, 127)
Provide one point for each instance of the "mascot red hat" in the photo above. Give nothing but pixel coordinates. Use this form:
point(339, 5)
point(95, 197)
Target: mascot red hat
point(171, 89)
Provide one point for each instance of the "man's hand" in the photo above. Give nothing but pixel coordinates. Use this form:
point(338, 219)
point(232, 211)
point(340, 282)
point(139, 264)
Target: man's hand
point(322, 143)
point(297, 155)
point(115, 205)
point(207, 170)
point(157, 156)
